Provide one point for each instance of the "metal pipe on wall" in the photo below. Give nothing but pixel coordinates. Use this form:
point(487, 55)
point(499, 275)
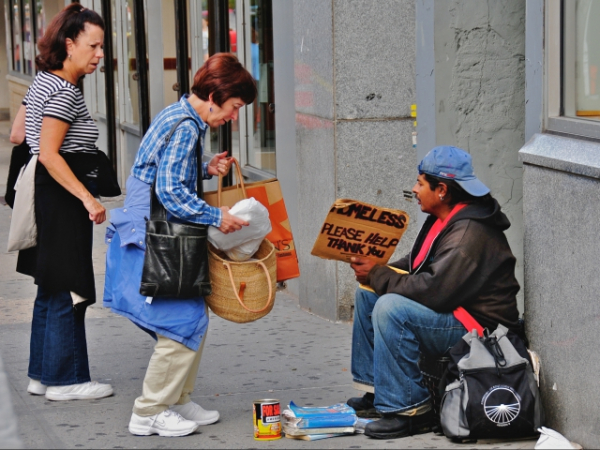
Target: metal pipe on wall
point(218, 31)
point(182, 51)
point(141, 56)
point(109, 84)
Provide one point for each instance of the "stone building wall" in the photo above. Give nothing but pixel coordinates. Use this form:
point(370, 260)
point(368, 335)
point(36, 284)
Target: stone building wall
point(480, 97)
point(355, 83)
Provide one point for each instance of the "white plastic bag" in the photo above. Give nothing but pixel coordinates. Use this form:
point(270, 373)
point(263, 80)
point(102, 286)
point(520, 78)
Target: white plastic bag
point(242, 244)
point(551, 439)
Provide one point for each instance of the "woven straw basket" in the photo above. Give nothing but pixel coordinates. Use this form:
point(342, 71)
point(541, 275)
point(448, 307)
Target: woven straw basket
point(242, 291)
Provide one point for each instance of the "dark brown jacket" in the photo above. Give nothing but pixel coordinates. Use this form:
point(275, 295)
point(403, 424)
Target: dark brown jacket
point(470, 264)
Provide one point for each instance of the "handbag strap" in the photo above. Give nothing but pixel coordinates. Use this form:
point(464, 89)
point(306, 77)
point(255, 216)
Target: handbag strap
point(239, 184)
point(240, 296)
point(157, 210)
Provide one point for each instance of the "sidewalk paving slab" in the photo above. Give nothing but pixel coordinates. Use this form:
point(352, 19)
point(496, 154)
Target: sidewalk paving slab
point(289, 355)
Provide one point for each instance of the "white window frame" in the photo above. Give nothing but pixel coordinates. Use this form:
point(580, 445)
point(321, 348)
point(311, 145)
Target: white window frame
point(553, 120)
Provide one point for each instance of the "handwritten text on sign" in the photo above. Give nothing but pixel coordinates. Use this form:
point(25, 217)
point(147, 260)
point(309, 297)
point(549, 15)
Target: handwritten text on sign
point(354, 228)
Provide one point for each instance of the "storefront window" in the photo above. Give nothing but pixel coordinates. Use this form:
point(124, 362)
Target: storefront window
point(16, 36)
point(251, 39)
point(40, 14)
point(114, 62)
point(261, 150)
point(581, 88)
point(28, 38)
point(25, 21)
point(132, 105)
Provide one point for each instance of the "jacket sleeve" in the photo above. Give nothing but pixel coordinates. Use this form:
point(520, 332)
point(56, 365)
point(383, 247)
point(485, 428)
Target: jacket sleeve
point(176, 180)
point(401, 264)
point(447, 282)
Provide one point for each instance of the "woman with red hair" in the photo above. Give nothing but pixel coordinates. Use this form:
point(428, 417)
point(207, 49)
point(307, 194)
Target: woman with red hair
point(221, 87)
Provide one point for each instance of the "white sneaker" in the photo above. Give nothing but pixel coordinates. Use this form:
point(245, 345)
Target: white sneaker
point(36, 387)
point(82, 391)
point(167, 423)
point(195, 412)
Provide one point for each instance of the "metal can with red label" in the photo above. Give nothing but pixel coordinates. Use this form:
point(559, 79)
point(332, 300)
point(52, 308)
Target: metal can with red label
point(267, 419)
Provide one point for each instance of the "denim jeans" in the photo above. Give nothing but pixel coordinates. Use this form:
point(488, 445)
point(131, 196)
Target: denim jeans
point(58, 349)
point(389, 332)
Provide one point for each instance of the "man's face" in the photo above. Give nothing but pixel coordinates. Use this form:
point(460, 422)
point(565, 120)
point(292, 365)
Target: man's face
point(427, 198)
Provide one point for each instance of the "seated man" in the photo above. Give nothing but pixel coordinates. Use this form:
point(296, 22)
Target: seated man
point(458, 276)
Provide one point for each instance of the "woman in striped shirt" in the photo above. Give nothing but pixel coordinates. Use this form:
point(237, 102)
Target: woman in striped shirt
point(59, 128)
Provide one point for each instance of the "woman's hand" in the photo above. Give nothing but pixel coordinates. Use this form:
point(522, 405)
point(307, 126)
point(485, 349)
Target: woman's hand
point(361, 267)
point(219, 164)
point(96, 210)
point(230, 223)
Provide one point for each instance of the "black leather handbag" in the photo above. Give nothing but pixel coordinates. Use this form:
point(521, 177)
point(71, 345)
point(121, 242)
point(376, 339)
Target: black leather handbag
point(176, 258)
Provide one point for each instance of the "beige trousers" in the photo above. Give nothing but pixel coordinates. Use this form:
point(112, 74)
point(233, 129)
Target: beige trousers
point(170, 377)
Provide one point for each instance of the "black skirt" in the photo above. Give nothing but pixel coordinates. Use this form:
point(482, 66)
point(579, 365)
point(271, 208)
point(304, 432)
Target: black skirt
point(62, 259)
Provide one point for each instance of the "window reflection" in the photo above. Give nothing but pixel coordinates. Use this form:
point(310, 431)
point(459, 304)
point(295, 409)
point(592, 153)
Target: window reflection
point(211, 138)
point(16, 33)
point(115, 65)
point(582, 52)
point(233, 48)
point(261, 149)
point(132, 107)
point(40, 17)
point(28, 44)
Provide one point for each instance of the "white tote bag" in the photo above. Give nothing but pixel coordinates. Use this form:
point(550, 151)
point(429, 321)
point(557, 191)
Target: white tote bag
point(23, 230)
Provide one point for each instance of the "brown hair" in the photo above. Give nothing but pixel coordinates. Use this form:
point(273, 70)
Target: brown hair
point(67, 24)
point(223, 76)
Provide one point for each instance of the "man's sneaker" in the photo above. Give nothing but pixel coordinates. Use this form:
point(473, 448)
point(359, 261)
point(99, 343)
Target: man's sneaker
point(36, 387)
point(195, 412)
point(82, 391)
point(363, 406)
point(394, 426)
point(167, 423)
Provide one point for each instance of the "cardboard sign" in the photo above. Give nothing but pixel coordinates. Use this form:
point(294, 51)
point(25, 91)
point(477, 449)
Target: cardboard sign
point(354, 228)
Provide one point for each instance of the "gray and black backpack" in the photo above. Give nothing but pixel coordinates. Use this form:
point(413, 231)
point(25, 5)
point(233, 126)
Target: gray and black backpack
point(492, 391)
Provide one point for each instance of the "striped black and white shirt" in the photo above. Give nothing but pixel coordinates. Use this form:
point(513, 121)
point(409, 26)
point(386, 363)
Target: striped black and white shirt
point(52, 96)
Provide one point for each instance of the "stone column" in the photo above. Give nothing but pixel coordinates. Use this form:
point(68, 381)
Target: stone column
point(354, 87)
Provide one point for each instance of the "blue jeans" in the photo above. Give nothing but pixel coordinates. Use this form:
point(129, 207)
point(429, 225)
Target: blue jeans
point(58, 349)
point(389, 333)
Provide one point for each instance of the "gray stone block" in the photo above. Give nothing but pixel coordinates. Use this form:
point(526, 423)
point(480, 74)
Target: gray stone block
point(316, 193)
point(376, 163)
point(374, 58)
point(313, 57)
point(561, 291)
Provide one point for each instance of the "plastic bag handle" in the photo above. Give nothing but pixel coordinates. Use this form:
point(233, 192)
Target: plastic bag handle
point(239, 184)
point(269, 300)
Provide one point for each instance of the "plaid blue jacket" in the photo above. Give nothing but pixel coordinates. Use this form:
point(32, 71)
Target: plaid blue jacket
point(175, 165)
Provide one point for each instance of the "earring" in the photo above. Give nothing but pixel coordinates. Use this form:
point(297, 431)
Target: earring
point(441, 198)
point(210, 109)
point(69, 57)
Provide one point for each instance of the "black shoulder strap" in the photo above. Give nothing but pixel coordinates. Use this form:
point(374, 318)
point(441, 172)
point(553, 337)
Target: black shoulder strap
point(157, 210)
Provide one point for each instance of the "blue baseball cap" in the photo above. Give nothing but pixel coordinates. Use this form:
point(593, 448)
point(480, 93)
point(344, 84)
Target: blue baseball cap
point(453, 163)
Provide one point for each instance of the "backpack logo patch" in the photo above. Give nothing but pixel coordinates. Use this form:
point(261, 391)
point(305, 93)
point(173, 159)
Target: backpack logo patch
point(501, 404)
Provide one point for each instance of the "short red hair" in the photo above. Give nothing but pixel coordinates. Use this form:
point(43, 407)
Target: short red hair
point(223, 76)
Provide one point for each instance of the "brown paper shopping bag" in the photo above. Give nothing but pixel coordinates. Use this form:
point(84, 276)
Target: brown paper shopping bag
point(354, 228)
point(267, 192)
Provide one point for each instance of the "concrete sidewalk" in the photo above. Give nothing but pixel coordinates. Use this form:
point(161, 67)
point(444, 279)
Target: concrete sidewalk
point(288, 355)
